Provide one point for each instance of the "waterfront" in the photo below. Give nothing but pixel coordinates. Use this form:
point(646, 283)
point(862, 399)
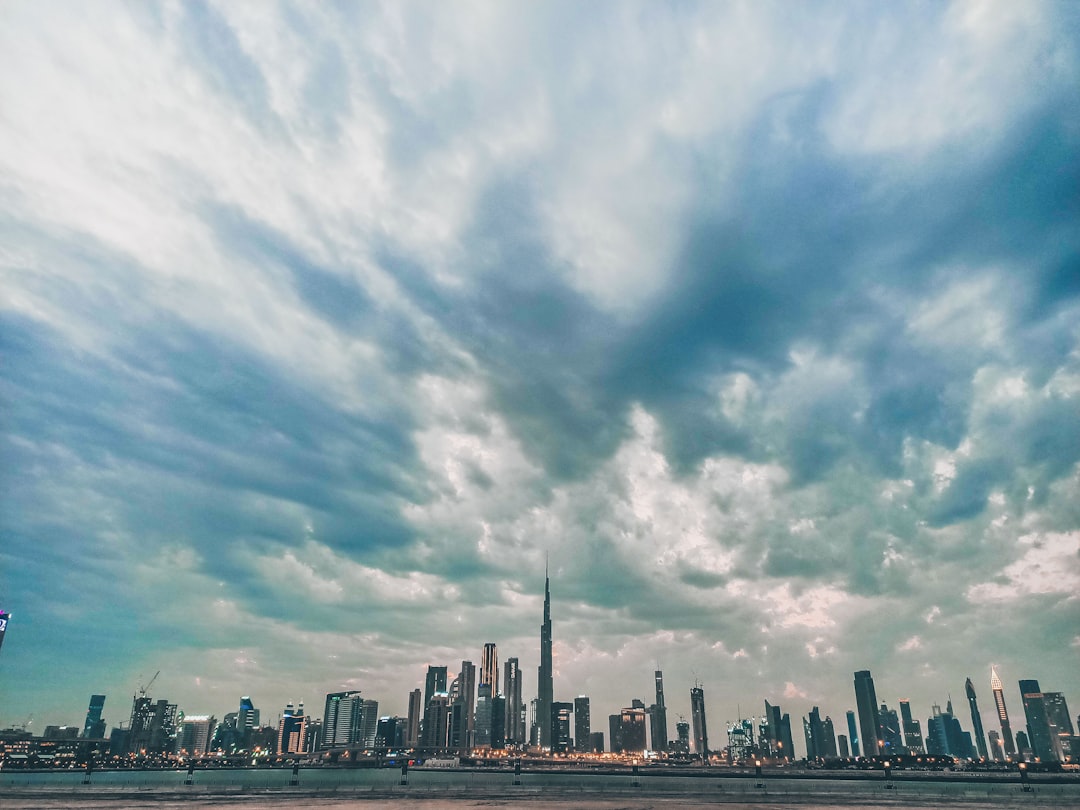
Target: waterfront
point(371, 789)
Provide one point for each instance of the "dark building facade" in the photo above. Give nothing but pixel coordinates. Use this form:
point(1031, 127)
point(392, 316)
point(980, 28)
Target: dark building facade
point(697, 717)
point(94, 727)
point(976, 719)
point(866, 703)
point(545, 688)
point(582, 725)
point(1038, 724)
point(913, 737)
point(658, 724)
point(515, 708)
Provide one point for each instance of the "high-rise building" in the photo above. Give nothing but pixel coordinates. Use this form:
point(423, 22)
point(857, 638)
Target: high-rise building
point(976, 720)
point(434, 683)
point(196, 730)
point(5, 617)
point(369, 723)
point(995, 747)
point(697, 716)
point(913, 739)
point(658, 716)
point(388, 733)
point(545, 689)
point(596, 742)
point(945, 737)
point(814, 733)
point(292, 730)
point(615, 733)
point(560, 726)
point(416, 711)
point(889, 728)
point(1003, 714)
point(632, 730)
point(830, 737)
point(342, 723)
point(582, 724)
point(869, 724)
point(853, 733)
point(437, 721)
point(152, 729)
point(682, 737)
point(842, 744)
point(1043, 744)
point(482, 738)
point(1066, 745)
point(1023, 746)
point(770, 732)
point(489, 668)
point(515, 709)
point(94, 727)
point(787, 743)
point(467, 698)
point(247, 720)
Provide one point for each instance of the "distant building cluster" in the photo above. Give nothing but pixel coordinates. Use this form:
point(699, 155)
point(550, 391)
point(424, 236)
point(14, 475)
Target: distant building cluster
point(481, 713)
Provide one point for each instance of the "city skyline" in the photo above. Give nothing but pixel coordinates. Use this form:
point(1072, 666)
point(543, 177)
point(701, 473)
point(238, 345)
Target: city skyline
point(324, 327)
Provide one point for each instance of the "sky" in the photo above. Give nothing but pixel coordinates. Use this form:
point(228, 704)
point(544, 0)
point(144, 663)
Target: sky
point(323, 326)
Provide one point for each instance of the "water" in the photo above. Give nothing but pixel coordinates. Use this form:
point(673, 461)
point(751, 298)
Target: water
point(371, 789)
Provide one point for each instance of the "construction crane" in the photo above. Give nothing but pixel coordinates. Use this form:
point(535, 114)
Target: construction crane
point(144, 689)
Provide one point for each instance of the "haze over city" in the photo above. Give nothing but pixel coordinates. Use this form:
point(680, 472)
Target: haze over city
point(326, 327)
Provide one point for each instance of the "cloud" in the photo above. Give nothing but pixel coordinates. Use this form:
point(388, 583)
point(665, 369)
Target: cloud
point(324, 327)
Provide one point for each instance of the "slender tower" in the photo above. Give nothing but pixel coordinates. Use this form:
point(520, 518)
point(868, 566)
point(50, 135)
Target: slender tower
point(545, 687)
point(976, 720)
point(869, 722)
point(1003, 714)
point(697, 714)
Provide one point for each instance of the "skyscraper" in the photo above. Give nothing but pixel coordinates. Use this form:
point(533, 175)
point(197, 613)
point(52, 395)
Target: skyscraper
point(194, 734)
point(697, 716)
point(489, 668)
point(369, 723)
point(342, 720)
point(434, 683)
point(889, 728)
point(658, 715)
point(1043, 744)
point(515, 709)
point(416, 713)
point(866, 703)
point(94, 727)
point(545, 686)
point(291, 730)
point(466, 698)
point(853, 733)
point(1003, 714)
point(1061, 725)
point(976, 720)
point(913, 739)
point(247, 719)
point(582, 724)
point(632, 730)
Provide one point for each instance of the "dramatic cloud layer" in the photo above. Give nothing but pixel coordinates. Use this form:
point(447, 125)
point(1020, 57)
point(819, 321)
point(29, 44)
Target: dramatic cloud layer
point(324, 326)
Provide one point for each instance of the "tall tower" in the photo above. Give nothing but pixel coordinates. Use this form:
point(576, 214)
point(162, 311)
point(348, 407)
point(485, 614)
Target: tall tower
point(866, 703)
point(1003, 714)
point(489, 668)
point(515, 710)
point(1038, 724)
point(582, 724)
point(94, 727)
point(976, 720)
point(545, 687)
point(658, 716)
point(697, 715)
point(853, 733)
